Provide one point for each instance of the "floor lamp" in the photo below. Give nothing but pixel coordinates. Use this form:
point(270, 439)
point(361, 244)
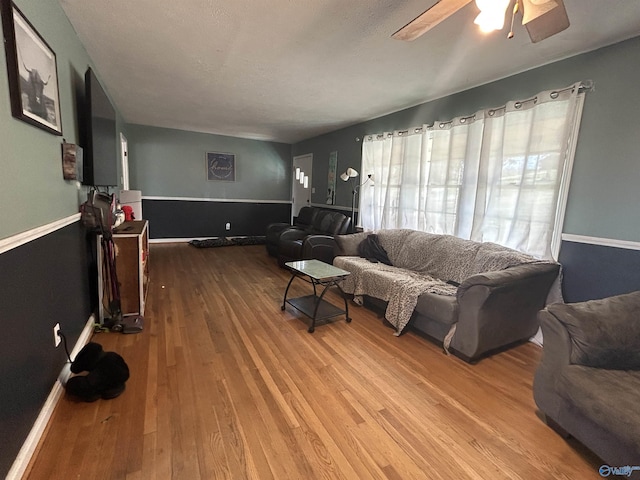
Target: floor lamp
point(350, 175)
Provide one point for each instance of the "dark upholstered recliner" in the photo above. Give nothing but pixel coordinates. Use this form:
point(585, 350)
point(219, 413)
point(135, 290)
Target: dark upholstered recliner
point(588, 383)
point(303, 221)
point(296, 244)
point(320, 247)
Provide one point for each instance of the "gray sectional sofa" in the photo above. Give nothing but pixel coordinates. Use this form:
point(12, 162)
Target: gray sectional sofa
point(588, 383)
point(474, 297)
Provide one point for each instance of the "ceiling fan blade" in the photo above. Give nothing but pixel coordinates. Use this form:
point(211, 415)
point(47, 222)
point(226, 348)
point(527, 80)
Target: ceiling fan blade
point(429, 19)
point(544, 18)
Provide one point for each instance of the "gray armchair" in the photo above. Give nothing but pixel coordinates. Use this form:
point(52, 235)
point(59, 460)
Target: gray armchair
point(588, 383)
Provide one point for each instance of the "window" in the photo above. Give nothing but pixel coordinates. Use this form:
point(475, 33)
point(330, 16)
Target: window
point(500, 175)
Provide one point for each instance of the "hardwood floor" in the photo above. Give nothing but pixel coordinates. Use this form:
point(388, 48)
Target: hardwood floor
point(224, 385)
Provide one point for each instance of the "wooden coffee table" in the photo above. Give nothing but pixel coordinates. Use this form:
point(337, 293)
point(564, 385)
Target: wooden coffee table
point(314, 306)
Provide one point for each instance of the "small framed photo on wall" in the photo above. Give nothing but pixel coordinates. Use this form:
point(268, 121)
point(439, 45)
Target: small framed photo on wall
point(32, 72)
point(72, 162)
point(221, 166)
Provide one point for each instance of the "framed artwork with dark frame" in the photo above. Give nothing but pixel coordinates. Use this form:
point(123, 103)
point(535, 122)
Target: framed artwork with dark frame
point(32, 71)
point(221, 166)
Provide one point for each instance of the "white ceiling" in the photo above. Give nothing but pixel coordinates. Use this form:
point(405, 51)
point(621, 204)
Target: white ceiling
point(287, 70)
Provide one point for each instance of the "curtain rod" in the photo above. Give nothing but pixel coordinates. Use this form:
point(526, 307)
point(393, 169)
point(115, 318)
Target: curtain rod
point(584, 86)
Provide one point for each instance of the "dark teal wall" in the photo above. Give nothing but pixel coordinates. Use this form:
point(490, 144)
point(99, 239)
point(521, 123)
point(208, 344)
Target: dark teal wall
point(171, 163)
point(604, 195)
point(44, 282)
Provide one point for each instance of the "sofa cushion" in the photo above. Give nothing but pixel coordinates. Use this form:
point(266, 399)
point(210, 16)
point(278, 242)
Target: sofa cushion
point(400, 288)
point(327, 222)
point(441, 308)
point(609, 398)
point(348, 244)
point(322, 221)
point(604, 333)
point(393, 242)
point(441, 256)
point(339, 224)
point(305, 217)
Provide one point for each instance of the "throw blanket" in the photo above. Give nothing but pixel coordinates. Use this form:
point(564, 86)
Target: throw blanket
point(400, 288)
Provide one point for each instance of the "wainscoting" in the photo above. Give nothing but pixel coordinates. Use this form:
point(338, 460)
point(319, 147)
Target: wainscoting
point(187, 218)
point(598, 267)
point(45, 280)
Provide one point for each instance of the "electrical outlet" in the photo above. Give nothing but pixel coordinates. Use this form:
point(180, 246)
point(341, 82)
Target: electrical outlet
point(227, 226)
point(56, 335)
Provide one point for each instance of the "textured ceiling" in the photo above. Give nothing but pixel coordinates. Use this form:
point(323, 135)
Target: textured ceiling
point(287, 70)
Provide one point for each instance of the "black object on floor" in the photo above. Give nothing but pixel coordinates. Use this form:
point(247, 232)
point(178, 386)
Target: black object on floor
point(225, 242)
point(106, 377)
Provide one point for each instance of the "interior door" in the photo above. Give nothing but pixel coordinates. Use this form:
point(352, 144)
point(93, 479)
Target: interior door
point(301, 183)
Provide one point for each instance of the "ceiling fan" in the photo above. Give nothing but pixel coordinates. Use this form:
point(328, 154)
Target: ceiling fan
point(542, 18)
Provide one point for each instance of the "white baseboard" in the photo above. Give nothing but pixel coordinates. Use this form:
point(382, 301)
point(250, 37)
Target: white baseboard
point(29, 446)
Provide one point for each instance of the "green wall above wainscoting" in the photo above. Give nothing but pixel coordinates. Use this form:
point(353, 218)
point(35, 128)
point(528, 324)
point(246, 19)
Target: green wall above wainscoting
point(32, 190)
point(171, 163)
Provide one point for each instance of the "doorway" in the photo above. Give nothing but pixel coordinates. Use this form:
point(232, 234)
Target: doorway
point(125, 162)
point(301, 183)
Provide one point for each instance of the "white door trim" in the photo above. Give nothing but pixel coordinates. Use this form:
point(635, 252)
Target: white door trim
point(301, 194)
point(125, 161)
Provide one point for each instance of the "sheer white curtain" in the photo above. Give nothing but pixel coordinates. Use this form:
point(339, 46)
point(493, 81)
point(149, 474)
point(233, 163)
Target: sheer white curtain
point(420, 180)
point(499, 175)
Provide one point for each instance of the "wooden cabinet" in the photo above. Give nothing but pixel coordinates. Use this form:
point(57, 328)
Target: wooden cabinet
point(131, 241)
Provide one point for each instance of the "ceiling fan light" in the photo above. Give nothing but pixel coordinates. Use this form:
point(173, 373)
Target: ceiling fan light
point(492, 14)
point(536, 8)
point(544, 18)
